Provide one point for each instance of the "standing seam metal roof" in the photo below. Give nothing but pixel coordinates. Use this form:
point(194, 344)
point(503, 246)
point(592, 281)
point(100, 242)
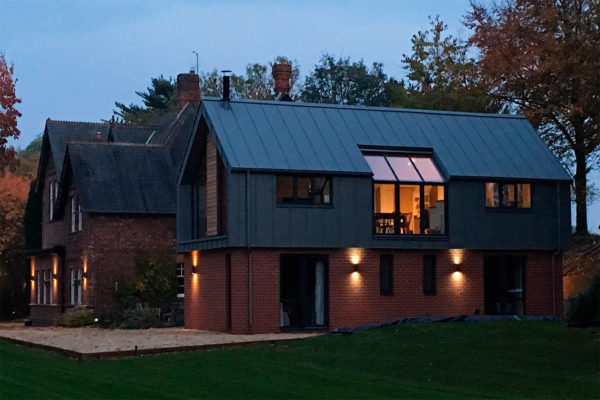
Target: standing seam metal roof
point(287, 136)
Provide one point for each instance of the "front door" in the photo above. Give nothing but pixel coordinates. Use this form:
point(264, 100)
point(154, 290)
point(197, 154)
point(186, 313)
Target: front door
point(504, 290)
point(303, 291)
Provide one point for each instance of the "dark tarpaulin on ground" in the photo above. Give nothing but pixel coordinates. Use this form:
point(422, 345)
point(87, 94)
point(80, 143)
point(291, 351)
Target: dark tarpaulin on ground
point(455, 318)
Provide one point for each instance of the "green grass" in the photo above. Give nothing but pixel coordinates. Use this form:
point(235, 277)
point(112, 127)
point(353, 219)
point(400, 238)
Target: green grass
point(437, 360)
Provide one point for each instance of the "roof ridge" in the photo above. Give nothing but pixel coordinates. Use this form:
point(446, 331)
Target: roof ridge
point(117, 144)
point(134, 126)
point(77, 122)
point(366, 108)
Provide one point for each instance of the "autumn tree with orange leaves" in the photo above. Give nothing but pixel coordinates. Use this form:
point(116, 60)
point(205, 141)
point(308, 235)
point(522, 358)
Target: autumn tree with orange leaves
point(8, 115)
point(542, 58)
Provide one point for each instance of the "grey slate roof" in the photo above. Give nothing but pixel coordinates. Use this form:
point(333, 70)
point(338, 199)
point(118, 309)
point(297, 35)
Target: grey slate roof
point(284, 136)
point(130, 133)
point(123, 178)
point(62, 132)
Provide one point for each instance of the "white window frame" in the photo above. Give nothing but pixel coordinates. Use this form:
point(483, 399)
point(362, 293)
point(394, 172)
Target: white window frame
point(79, 217)
point(51, 210)
point(40, 282)
point(73, 213)
point(180, 273)
point(76, 285)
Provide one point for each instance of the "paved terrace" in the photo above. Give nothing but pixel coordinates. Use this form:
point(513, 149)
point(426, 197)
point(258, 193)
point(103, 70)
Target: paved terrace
point(93, 343)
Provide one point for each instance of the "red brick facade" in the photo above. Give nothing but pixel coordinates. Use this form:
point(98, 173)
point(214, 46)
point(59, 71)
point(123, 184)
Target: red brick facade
point(104, 248)
point(354, 298)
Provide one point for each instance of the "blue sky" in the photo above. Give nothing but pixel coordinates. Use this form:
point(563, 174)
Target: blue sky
point(74, 59)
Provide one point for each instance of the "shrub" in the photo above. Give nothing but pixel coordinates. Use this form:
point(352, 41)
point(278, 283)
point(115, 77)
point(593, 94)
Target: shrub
point(140, 319)
point(585, 308)
point(78, 316)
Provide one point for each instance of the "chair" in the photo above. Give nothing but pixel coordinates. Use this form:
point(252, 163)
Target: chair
point(405, 219)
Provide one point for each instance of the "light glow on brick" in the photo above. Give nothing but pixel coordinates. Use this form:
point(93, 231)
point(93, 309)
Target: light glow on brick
point(355, 256)
point(195, 258)
point(457, 256)
point(457, 276)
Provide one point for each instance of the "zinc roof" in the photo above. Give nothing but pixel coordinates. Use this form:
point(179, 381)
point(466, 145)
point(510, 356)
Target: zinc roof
point(291, 136)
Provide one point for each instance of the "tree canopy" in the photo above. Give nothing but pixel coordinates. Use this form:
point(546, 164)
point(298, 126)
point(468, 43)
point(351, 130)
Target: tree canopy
point(342, 82)
point(158, 100)
point(542, 58)
point(439, 75)
point(8, 115)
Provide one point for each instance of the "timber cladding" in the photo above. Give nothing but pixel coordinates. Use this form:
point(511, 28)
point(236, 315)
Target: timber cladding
point(353, 299)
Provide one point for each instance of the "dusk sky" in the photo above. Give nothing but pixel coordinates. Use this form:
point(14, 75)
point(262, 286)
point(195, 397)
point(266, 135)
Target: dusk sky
point(74, 59)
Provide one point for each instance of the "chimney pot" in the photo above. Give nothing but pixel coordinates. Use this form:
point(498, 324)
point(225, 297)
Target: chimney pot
point(282, 73)
point(188, 89)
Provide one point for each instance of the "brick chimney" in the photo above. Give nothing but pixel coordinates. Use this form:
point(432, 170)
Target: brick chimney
point(188, 89)
point(282, 73)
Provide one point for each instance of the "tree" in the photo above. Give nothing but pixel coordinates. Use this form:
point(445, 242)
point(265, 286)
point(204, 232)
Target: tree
point(158, 100)
point(8, 115)
point(542, 57)
point(341, 82)
point(438, 72)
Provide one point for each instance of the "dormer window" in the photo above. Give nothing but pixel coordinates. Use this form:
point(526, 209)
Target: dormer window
point(408, 195)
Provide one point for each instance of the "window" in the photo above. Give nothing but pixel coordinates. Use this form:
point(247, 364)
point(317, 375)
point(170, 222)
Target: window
point(76, 215)
point(507, 195)
point(386, 275)
point(53, 195)
point(76, 285)
point(429, 281)
point(408, 195)
point(73, 213)
point(45, 286)
point(180, 273)
point(312, 190)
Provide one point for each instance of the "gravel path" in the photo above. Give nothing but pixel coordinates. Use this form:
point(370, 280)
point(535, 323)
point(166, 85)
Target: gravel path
point(96, 340)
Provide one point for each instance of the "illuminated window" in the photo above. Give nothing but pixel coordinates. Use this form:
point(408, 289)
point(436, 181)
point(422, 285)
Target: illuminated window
point(408, 195)
point(507, 195)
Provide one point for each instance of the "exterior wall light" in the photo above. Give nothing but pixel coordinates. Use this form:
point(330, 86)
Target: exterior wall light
point(84, 274)
point(457, 268)
point(32, 278)
point(54, 275)
point(194, 270)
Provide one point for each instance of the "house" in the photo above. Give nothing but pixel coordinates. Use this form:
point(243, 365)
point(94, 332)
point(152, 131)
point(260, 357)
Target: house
point(108, 194)
point(312, 216)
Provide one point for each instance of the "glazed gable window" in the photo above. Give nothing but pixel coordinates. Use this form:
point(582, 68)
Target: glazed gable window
point(507, 195)
point(409, 195)
point(309, 190)
point(53, 189)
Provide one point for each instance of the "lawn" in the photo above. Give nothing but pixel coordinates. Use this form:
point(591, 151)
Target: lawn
point(436, 360)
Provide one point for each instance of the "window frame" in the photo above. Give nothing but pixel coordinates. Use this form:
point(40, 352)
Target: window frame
point(421, 208)
point(401, 182)
point(501, 206)
point(180, 267)
point(76, 285)
point(299, 203)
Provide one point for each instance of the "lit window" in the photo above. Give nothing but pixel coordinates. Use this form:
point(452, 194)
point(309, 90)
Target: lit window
point(414, 204)
point(507, 195)
point(53, 187)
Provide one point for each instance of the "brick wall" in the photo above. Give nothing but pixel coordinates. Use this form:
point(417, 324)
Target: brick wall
point(354, 298)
